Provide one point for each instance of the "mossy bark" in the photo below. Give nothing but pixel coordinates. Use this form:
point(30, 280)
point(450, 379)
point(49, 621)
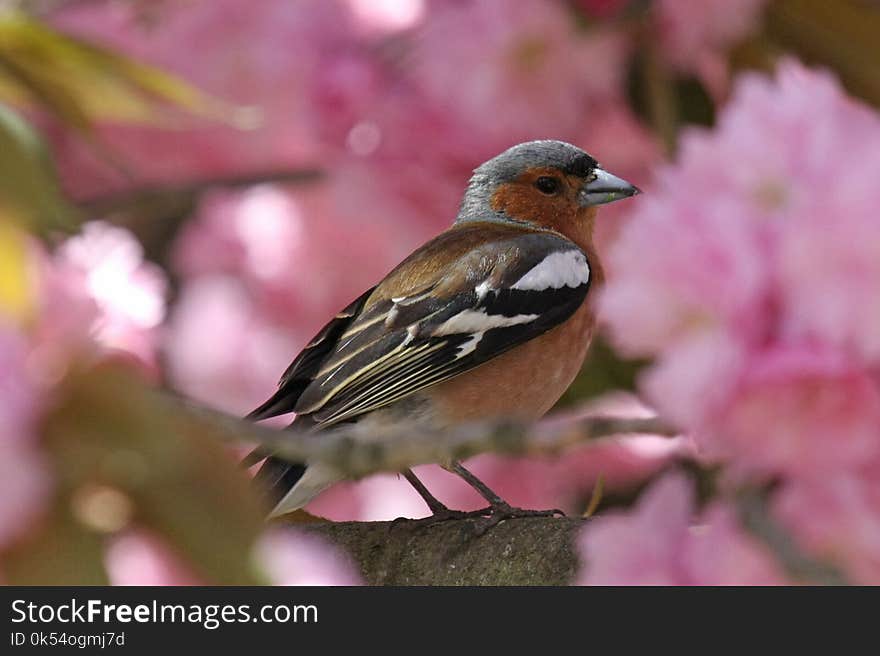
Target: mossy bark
point(528, 551)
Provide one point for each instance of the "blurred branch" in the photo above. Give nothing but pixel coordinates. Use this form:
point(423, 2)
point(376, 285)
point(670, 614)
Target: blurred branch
point(183, 195)
point(155, 213)
point(356, 454)
point(660, 99)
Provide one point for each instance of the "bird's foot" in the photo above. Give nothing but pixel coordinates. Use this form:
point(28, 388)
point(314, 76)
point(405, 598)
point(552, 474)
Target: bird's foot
point(500, 512)
point(441, 514)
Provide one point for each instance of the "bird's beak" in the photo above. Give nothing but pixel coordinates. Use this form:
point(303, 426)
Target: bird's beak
point(605, 188)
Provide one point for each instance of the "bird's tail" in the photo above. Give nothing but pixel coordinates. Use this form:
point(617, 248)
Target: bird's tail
point(275, 477)
point(289, 486)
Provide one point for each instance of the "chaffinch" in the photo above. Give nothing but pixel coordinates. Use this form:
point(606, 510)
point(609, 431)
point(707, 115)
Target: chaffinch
point(488, 320)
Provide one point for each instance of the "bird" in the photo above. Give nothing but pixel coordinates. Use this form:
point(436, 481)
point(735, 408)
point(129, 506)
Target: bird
point(489, 320)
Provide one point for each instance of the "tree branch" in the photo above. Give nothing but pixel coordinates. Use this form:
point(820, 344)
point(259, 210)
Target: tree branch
point(355, 453)
point(529, 551)
point(182, 193)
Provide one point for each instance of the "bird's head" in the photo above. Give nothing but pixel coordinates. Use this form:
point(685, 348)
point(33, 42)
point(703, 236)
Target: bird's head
point(551, 184)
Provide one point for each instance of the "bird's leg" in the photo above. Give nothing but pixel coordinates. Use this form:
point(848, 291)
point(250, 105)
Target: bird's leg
point(500, 509)
point(439, 511)
point(436, 506)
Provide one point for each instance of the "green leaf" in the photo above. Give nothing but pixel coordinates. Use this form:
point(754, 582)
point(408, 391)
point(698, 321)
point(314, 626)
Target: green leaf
point(63, 552)
point(82, 83)
point(29, 191)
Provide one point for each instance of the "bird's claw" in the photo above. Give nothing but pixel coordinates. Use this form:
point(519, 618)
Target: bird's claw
point(440, 515)
point(504, 511)
point(486, 517)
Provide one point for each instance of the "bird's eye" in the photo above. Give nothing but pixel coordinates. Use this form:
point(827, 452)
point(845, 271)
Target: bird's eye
point(547, 185)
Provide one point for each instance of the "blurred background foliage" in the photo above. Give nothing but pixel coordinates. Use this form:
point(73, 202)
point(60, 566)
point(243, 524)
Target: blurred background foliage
point(117, 455)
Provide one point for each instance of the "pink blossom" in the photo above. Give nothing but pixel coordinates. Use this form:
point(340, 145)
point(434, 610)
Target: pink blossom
point(602, 8)
point(475, 58)
point(690, 30)
point(96, 295)
point(288, 557)
point(263, 270)
point(693, 378)
point(288, 248)
point(222, 350)
point(19, 396)
point(719, 552)
point(823, 242)
point(613, 546)
point(24, 480)
point(139, 557)
point(751, 266)
point(661, 542)
point(799, 411)
point(421, 187)
point(417, 190)
point(383, 16)
point(338, 87)
point(262, 59)
point(709, 273)
point(732, 248)
point(99, 286)
point(837, 520)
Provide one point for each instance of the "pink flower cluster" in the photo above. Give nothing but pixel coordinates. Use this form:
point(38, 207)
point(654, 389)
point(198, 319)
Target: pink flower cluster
point(691, 36)
point(100, 290)
point(399, 100)
point(660, 541)
point(692, 32)
point(23, 478)
point(264, 268)
point(280, 557)
point(95, 296)
point(750, 271)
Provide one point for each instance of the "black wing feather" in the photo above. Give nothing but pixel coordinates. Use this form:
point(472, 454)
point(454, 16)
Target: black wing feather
point(302, 370)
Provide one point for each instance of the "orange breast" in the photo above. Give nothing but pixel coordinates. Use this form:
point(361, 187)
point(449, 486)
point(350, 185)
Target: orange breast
point(522, 384)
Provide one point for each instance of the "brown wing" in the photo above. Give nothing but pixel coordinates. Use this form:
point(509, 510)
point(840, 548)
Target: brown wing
point(456, 303)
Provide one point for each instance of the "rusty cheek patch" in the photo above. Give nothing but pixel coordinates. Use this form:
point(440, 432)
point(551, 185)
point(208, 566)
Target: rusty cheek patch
point(522, 201)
